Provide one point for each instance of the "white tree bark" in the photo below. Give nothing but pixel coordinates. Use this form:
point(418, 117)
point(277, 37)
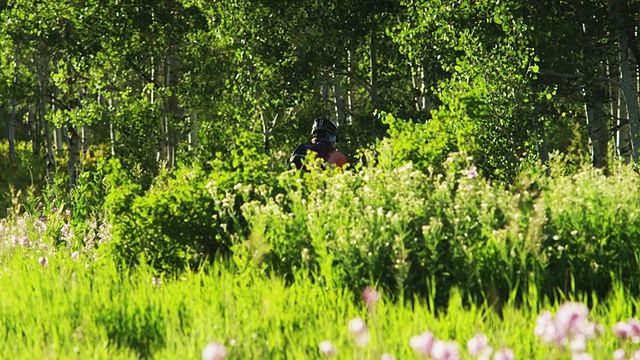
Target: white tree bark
point(630, 97)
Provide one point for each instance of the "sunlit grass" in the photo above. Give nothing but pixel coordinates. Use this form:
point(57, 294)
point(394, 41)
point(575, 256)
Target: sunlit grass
point(87, 308)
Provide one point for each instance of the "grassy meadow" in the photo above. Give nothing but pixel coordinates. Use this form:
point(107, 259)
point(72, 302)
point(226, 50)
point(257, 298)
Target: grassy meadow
point(85, 308)
point(371, 263)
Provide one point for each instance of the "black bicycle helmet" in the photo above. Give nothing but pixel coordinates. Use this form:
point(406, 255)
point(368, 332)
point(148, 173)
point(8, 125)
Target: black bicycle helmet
point(324, 130)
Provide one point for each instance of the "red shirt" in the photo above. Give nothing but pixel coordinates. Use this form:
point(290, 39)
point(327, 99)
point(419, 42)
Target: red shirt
point(337, 158)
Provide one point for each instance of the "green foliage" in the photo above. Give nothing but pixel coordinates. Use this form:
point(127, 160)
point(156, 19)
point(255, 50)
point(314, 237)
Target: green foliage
point(188, 216)
point(404, 229)
point(425, 145)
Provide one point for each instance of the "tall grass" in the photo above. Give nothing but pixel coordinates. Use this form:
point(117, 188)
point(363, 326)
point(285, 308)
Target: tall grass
point(86, 308)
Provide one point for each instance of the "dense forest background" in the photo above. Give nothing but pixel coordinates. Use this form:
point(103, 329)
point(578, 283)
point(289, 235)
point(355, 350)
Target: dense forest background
point(158, 84)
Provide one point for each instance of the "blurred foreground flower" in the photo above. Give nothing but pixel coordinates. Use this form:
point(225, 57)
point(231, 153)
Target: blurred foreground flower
point(371, 297)
point(478, 346)
point(326, 348)
point(570, 326)
point(628, 330)
point(504, 354)
point(445, 350)
point(214, 351)
point(422, 343)
point(358, 328)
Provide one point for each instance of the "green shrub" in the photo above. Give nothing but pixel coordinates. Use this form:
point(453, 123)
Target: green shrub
point(188, 215)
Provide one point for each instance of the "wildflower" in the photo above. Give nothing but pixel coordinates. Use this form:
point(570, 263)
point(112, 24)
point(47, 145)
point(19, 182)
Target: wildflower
point(42, 260)
point(479, 346)
point(156, 281)
point(619, 354)
point(66, 231)
point(358, 328)
point(445, 350)
point(423, 343)
point(545, 327)
point(628, 330)
point(472, 173)
point(75, 255)
point(504, 354)
point(214, 351)
point(370, 296)
point(581, 356)
point(327, 348)
point(569, 327)
point(24, 241)
point(386, 356)
point(571, 317)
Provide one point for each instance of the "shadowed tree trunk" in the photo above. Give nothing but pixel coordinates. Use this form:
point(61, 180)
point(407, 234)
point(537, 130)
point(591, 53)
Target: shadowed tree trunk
point(597, 126)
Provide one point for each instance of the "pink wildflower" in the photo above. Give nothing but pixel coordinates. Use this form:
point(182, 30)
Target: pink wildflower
point(214, 351)
point(570, 326)
point(358, 328)
point(370, 296)
point(24, 241)
point(619, 354)
point(422, 343)
point(472, 173)
point(445, 350)
point(479, 346)
point(581, 356)
point(75, 255)
point(387, 357)
point(327, 348)
point(42, 260)
point(545, 327)
point(504, 354)
point(634, 326)
point(571, 317)
point(156, 281)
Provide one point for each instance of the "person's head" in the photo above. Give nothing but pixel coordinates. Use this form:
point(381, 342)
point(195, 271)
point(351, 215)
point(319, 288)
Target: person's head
point(324, 130)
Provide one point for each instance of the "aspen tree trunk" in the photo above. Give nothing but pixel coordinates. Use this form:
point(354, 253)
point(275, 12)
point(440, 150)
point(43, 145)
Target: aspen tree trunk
point(351, 64)
point(14, 111)
point(73, 138)
point(161, 157)
point(373, 60)
point(597, 126)
point(418, 78)
point(112, 131)
point(51, 161)
point(325, 89)
point(172, 111)
point(36, 131)
point(623, 135)
point(194, 129)
point(74, 154)
point(11, 130)
point(630, 96)
point(266, 133)
point(58, 137)
point(46, 126)
point(339, 112)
